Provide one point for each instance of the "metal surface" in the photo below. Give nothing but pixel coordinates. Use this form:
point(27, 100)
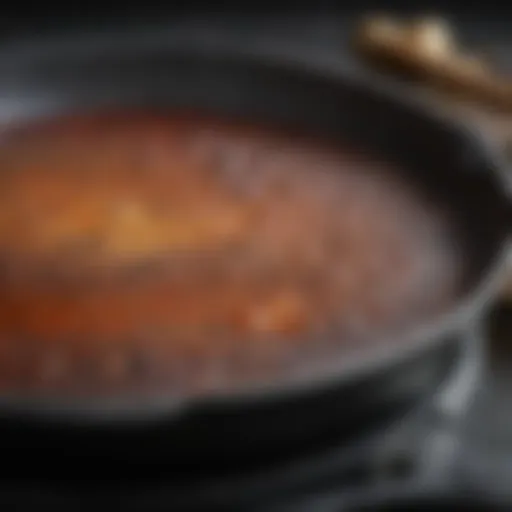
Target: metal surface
point(325, 479)
point(417, 460)
point(486, 459)
point(456, 452)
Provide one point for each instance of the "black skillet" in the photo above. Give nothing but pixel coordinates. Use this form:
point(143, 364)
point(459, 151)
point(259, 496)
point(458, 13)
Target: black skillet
point(198, 70)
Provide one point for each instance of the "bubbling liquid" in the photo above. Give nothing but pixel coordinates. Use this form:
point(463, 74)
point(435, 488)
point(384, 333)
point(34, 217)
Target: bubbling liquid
point(195, 254)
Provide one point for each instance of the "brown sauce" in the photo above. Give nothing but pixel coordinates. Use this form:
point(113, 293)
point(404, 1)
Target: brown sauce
point(191, 254)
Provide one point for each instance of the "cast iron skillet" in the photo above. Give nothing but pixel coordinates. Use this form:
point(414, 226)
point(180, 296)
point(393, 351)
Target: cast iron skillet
point(325, 96)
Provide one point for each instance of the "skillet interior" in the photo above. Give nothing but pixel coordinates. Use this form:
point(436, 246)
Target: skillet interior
point(444, 159)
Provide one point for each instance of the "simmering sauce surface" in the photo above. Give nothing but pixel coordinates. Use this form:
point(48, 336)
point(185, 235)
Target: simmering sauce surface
point(144, 252)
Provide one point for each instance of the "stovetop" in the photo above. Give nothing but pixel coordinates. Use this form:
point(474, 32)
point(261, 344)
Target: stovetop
point(454, 452)
point(420, 457)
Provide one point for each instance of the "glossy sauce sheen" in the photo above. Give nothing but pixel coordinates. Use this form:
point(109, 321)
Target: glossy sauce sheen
point(188, 254)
